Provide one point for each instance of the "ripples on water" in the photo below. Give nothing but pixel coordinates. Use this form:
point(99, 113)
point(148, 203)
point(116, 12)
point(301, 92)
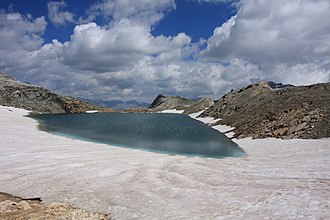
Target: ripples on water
point(166, 133)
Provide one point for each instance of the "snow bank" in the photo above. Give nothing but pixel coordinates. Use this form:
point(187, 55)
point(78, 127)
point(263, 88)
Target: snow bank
point(92, 111)
point(173, 111)
point(281, 179)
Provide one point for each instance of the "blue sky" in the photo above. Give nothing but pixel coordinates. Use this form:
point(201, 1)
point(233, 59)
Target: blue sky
point(196, 19)
point(122, 49)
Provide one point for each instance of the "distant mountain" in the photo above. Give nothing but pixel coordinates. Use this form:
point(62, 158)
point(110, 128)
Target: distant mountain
point(38, 99)
point(199, 105)
point(269, 109)
point(188, 106)
point(163, 102)
point(117, 104)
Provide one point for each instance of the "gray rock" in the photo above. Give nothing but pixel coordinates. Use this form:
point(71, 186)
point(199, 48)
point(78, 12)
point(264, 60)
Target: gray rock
point(301, 126)
point(35, 98)
point(189, 106)
point(163, 102)
point(24, 205)
point(200, 105)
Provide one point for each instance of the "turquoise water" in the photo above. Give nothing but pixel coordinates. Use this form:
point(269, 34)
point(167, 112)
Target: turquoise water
point(165, 133)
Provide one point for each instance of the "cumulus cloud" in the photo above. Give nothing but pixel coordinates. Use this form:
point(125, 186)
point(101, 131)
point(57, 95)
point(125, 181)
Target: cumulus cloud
point(111, 60)
point(145, 11)
point(216, 1)
point(283, 41)
point(19, 35)
point(288, 40)
point(301, 74)
point(57, 14)
point(284, 31)
point(23, 30)
point(118, 46)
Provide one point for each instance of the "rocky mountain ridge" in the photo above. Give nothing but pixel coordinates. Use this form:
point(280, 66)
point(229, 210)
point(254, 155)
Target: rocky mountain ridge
point(163, 102)
point(38, 99)
point(199, 105)
point(116, 104)
point(268, 109)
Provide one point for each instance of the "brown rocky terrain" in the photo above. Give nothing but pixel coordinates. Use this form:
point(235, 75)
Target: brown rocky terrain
point(268, 109)
point(198, 106)
point(139, 110)
point(38, 99)
point(163, 102)
point(21, 209)
point(189, 106)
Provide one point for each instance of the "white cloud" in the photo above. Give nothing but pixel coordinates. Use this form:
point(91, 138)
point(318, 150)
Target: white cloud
point(58, 15)
point(215, 1)
point(108, 61)
point(145, 11)
point(286, 39)
point(283, 41)
point(118, 46)
point(19, 35)
point(301, 74)
point(22, 31)
point(283, 31)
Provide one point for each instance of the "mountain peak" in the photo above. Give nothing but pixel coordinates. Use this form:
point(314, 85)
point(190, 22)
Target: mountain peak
point(35, 98)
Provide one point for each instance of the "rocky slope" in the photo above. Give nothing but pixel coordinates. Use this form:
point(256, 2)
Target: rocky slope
point(268, 109)
point(37, 99)
point(21, 209)
point(189, 106)
point(117, 104)
point(163, 102)
point(198, 106)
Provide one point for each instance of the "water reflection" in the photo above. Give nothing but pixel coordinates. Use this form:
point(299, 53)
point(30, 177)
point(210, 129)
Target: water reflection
point(169, 133)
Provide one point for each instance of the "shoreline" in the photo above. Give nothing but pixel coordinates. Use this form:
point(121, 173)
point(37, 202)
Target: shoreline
point(225, 129)
point(278, 178)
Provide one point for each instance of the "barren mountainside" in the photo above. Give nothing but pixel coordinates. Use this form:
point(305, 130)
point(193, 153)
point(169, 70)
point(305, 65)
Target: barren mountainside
point(198, 106)
point(38, 99)
point(268, 109)
point(163, 102)
point(116, 104)
point(189, 106)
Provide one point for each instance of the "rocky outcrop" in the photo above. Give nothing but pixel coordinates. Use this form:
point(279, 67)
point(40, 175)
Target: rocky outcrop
point(163, 102)
point(189, 106)
point(117, 104)
point(268, 109)
point(139, 110)
point(20, 209)
point(200, 105)
point(37, 99)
